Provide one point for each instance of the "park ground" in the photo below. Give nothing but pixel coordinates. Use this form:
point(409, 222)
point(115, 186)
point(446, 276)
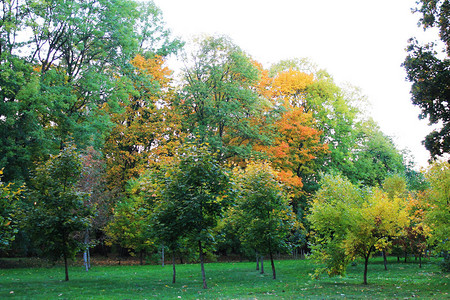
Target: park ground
point(30, 279)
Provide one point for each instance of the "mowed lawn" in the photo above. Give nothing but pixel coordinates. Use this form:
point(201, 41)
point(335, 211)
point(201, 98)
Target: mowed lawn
point(226, 281)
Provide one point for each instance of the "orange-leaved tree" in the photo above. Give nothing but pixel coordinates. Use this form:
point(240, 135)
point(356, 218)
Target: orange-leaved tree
point(145, 126)
point(296, 142)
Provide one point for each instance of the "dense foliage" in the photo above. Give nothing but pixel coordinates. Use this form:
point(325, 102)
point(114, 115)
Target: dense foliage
point(428, 68)
point(102, 147)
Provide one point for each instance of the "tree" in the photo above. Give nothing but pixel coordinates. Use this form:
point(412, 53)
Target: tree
point(56, 210)
point(193, 196)
point(438, 215)
point(129, 224)
point(418, 232)
point(296, 142)
point(144, 126)
point(68, 66)
point(218, 99)
point(263, 215)
point(166, 227)
point(348, 222)
point(429, 71)
point(375, 157)
point(336, 112)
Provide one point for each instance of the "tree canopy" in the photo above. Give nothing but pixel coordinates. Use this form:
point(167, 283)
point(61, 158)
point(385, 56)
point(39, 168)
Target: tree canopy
point(428, 68)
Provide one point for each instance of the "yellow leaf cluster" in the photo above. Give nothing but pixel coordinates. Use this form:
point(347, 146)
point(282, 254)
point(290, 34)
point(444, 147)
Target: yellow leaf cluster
point(292, 82)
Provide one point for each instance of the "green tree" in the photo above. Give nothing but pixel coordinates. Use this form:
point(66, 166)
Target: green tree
point(438, 215)
point(218, 99)
point(166, 226)
point(56, 81)
point(376, 156)
point(348, 222)
point(129, 224)
point(263, 215)
point(428, 68)
point(195, 192)
point(56, 210)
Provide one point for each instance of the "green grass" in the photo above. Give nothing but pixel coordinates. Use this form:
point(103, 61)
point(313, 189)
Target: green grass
point(226, 281)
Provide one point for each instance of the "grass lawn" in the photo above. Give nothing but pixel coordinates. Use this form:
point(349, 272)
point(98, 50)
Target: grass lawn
point(226, 281)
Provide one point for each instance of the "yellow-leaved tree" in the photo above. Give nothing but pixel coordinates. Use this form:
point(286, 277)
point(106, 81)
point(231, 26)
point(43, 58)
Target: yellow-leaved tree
point(348, 222)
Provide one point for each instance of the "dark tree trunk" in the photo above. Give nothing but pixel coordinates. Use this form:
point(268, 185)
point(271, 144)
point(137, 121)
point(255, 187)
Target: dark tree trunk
point(406, 255)
point(173, 267)
point(385, 260)
point(420, 260)
point(66, 266)
point(262, 264)
point(257, 261)
point(200, 249)
point(273, 265)
point(141, 257)
point(366, 263)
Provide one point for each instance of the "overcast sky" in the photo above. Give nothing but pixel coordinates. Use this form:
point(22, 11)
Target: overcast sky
point(359, 42)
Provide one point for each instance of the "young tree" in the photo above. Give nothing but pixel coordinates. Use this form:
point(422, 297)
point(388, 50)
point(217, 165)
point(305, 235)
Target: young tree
point(166, 227)
point(418, 232)
point(348, 222)
point(56, 209)
point(129, 225)
point(193, 196)
point(263, 215)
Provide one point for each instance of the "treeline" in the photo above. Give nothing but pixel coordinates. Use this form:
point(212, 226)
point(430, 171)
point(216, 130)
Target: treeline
point(102, 147)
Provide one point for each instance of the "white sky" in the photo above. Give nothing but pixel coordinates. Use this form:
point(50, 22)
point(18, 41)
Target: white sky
point(359, 42)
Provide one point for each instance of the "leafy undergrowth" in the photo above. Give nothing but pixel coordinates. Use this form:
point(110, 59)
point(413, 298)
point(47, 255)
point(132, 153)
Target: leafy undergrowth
point(225, 281)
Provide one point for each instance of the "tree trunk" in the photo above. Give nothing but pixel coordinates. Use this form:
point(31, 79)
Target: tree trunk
point(141, 257)
point(385, 260)
point(420, 260)
point(89, 258)
point(257, 261)
point(366, 263)
point(86, 255)
point(273, 265)
point(406, 256)
point(262, 264)
point(162, 256)
point(85, 260)
point(202, 264)
point(66, 268)
point(173, 266)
